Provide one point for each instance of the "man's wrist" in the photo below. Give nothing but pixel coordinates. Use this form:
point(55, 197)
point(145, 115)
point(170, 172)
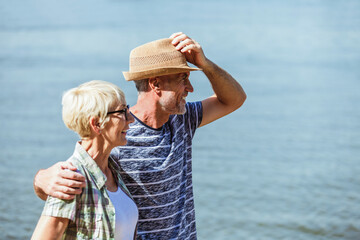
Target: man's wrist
point(207, 65)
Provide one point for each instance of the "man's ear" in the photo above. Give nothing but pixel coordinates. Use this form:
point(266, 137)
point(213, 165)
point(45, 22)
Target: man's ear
point(155, 84)
point(95, 125)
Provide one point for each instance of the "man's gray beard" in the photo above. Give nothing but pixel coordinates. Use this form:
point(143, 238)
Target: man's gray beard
point(180, 110)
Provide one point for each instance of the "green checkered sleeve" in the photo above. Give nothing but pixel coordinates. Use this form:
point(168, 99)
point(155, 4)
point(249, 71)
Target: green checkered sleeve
point(56, 207)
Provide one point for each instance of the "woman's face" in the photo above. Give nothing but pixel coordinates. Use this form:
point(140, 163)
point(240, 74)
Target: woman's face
point(114, 131)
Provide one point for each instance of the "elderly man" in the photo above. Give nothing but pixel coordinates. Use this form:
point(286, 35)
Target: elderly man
point(156, 163)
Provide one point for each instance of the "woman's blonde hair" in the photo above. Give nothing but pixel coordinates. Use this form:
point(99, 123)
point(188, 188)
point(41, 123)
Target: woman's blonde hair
point(91, 99)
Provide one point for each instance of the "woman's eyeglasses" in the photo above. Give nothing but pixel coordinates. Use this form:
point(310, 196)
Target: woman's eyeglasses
point(125, 111)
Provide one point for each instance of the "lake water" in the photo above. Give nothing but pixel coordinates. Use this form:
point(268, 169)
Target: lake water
point(284, 166)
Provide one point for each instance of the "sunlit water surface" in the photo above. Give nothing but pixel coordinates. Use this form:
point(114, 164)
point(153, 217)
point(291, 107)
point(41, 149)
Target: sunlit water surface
point(284, 166)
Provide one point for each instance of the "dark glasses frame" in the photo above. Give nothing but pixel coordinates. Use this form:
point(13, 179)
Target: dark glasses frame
point(125, 111)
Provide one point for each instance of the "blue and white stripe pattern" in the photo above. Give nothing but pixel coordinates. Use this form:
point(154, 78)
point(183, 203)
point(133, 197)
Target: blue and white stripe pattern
point(156, 167)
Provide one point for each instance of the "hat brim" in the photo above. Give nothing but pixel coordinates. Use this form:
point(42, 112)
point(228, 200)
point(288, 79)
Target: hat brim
point(133, 76)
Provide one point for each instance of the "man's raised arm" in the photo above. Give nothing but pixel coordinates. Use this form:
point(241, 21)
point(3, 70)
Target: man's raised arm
point(229, 95)
point(58, 182)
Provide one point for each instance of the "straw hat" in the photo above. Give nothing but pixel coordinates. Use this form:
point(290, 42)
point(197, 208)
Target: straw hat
point(156, 58)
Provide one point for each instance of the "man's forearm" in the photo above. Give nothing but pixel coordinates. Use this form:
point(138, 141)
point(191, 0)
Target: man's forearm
point(228, 91)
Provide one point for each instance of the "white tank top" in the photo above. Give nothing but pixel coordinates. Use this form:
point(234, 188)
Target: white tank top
point(126, 215)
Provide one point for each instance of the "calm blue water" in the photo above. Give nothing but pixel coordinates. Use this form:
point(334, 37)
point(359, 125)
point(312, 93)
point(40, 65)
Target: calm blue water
point(284, 166)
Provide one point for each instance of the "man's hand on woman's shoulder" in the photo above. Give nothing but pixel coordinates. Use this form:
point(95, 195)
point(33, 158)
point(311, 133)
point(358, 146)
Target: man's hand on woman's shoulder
point(60, 180)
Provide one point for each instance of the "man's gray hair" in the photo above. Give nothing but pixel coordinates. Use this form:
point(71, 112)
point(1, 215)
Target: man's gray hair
point(142, 85)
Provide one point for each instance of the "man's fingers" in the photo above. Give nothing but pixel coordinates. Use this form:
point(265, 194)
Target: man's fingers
point(56, 189)
point(63, 196)
point(67, 165)
point(184, 43)
point(69, 190)
point(174, 35)
point(179, 38)
point(190, 47)
point(65, 189)
point(71, 184)
point(72, 175)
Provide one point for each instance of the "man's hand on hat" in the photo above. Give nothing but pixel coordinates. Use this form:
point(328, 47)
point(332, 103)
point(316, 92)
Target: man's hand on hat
point(192, 49)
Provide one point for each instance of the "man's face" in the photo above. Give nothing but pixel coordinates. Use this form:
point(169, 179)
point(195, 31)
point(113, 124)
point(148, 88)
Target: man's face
point(176, 89)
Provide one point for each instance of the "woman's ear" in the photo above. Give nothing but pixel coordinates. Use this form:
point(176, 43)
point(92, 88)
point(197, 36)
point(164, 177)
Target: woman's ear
point(95, 125)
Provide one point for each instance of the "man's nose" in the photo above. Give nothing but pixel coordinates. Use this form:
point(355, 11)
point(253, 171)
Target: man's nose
point(129, 117)
point(189, 87)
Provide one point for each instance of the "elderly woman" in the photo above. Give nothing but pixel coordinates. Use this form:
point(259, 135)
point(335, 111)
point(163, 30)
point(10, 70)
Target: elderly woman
point(97, 111)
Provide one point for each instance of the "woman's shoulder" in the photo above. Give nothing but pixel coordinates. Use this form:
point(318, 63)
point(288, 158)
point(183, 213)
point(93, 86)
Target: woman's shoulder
point(76, 163)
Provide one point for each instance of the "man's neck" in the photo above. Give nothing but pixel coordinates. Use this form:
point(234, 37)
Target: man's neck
point(149, 112)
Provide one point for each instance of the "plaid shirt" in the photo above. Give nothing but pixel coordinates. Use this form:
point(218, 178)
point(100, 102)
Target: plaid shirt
point(91, 214)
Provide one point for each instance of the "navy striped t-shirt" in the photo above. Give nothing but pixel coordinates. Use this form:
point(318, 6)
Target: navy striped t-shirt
point(156, 168)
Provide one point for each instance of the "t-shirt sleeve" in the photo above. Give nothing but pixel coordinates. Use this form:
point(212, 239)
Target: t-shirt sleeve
point(56, 207)
point(194, 114)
